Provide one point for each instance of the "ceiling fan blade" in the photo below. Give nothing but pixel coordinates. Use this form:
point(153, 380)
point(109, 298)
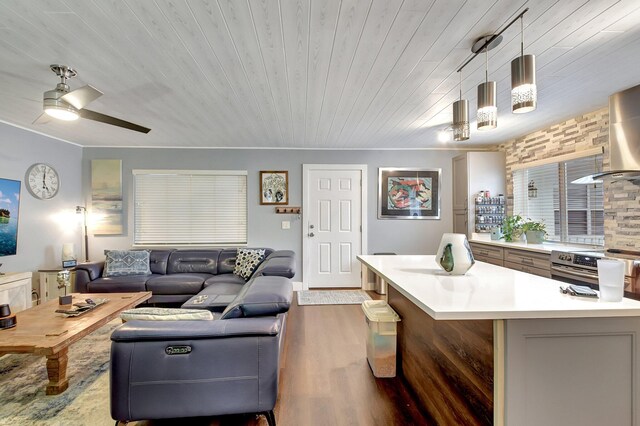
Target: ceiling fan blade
point(96, 116)
point(82, 96)
point(42, 119)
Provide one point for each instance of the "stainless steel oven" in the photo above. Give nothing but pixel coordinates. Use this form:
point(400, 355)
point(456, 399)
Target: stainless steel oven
point(582, 268)
point(575, 268)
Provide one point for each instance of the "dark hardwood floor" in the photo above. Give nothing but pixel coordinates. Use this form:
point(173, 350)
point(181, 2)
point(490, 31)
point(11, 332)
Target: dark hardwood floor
point(325, 379)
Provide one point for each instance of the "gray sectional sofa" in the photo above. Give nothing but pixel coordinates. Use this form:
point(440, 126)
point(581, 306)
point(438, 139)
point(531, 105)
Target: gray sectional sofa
point(177, 368)
point(178, 275)
point(231, 365)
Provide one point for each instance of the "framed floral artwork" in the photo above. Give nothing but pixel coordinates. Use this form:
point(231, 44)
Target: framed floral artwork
point(274, 187)
point(406, 193)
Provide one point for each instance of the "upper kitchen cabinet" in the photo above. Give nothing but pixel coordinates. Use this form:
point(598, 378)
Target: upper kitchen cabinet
point(474, 172)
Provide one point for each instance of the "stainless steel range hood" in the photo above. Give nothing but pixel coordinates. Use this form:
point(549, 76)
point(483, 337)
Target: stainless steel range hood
point(624, 138)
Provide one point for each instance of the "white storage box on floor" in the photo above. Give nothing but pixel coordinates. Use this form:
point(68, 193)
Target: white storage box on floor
point(381, 337)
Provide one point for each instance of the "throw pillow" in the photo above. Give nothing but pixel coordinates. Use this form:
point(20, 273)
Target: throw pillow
point(165, 314)
point(247, 261)
point(119, 263)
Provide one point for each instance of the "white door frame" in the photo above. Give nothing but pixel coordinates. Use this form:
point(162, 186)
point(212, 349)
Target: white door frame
point(306, 168)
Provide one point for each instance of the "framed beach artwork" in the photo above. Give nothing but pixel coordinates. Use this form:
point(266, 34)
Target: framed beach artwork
point(9, 210)
point(406, 193)
point(274, 187)
point(106, 197)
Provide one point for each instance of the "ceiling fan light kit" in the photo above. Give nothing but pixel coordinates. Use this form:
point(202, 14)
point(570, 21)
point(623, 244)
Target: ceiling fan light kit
point(523, 84)
point(57, 108)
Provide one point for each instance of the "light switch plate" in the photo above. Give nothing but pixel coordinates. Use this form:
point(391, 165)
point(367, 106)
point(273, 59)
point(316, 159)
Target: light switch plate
point(286, 224)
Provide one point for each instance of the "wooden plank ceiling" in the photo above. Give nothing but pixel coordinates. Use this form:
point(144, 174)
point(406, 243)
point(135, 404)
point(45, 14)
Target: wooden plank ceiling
point(306, 73)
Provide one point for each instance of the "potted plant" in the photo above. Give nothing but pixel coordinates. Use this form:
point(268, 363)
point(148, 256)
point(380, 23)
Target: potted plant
point(534, 231)
point(512, 228)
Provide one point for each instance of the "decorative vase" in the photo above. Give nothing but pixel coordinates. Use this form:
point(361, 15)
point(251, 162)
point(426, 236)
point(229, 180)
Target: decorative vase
point(454, 254)
point(535, 237)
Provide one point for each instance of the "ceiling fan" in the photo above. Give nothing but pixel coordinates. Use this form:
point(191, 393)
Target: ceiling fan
point(64, 104)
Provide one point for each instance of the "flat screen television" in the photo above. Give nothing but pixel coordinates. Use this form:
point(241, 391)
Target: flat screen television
point(9, 209)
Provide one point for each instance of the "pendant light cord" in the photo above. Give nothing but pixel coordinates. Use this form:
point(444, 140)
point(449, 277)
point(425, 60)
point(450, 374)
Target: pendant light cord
point(486, 64)
point(521, 36)
point(460, 74)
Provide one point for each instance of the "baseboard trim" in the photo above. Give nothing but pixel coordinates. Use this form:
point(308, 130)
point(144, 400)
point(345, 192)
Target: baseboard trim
point(299, 286)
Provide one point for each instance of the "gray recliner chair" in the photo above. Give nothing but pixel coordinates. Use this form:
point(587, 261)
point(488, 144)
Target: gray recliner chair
point(174, 369)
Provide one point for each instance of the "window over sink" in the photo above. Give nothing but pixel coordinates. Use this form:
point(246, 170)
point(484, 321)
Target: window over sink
point(572, 213)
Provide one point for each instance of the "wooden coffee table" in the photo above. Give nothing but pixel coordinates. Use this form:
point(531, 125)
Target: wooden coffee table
point(42, 331)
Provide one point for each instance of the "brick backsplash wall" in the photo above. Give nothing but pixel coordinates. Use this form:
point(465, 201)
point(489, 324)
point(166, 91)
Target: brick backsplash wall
point(621, 199)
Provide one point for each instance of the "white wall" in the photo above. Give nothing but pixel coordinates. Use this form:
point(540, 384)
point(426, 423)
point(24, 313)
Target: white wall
point(400, 236)
point(44, 225)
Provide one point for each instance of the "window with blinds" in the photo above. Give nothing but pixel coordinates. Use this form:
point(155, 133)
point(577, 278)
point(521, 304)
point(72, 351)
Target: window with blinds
point(175, 207)
point(572, 213)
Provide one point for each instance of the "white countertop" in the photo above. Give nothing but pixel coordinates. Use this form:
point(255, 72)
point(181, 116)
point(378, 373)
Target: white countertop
point(487, 292)
point(540, 248)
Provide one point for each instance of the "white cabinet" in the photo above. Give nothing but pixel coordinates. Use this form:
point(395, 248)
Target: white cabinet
point(15, 290)
point(474, 172)
point(49, 284)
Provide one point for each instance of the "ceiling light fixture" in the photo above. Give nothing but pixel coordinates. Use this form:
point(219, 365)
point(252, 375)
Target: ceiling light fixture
point(460, 125)
point(60, 110)
point(487, 114)
point(487, 99)
point(524, 93)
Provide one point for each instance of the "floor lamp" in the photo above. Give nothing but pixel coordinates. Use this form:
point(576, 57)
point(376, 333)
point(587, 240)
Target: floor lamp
point(83, 210)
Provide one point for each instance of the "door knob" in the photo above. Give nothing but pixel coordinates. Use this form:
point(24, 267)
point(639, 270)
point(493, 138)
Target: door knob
point(311, 234)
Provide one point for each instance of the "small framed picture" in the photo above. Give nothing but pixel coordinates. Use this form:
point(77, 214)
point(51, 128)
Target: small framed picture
point(274, 187)
point(406, 193)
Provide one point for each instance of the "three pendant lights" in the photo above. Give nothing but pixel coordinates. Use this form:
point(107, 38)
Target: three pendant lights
point(523, 88)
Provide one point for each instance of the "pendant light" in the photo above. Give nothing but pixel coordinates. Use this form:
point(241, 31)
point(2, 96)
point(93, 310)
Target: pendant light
point(524, 94)
point(460, 117)
point(487, 99)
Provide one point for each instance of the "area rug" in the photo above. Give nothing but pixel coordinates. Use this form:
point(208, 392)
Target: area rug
point(86, 401)
point(332, 297)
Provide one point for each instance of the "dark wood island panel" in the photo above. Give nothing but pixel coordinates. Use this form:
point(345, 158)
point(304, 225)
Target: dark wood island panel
point(447, 364)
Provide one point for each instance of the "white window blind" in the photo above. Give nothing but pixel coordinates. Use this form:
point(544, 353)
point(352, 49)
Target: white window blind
point(572, 213)
point(175, 207)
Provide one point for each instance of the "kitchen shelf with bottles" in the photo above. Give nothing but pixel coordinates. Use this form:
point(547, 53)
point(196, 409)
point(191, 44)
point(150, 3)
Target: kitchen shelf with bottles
point(490, 212)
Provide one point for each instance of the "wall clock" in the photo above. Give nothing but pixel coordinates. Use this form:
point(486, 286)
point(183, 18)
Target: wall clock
point(43, 181)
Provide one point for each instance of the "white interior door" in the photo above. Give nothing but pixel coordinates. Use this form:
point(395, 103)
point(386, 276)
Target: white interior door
point(333, 226)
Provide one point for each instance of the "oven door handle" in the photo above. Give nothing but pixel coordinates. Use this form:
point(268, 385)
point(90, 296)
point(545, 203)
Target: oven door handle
point(574, 272)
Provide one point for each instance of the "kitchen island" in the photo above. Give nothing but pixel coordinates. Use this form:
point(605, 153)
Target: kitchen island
point(499, 346)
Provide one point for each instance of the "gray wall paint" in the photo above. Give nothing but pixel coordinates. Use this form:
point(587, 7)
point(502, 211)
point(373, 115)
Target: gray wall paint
point(400, 236)
point(44, 225)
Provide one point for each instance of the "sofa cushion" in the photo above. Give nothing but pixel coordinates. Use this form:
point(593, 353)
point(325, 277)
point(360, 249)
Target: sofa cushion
point(177, 283)
point(123, 284)
point(193, 261)
point(232, 280)
point(260, 297)
point(215, 297)
point(247, 262)
point(227, 260)
point(158, 260)
point(280, 262)
point(164, 314)
point(120, 263)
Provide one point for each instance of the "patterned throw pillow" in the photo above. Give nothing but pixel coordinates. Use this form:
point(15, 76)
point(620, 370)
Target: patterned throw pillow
point(119, 263)
point(247, 261)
